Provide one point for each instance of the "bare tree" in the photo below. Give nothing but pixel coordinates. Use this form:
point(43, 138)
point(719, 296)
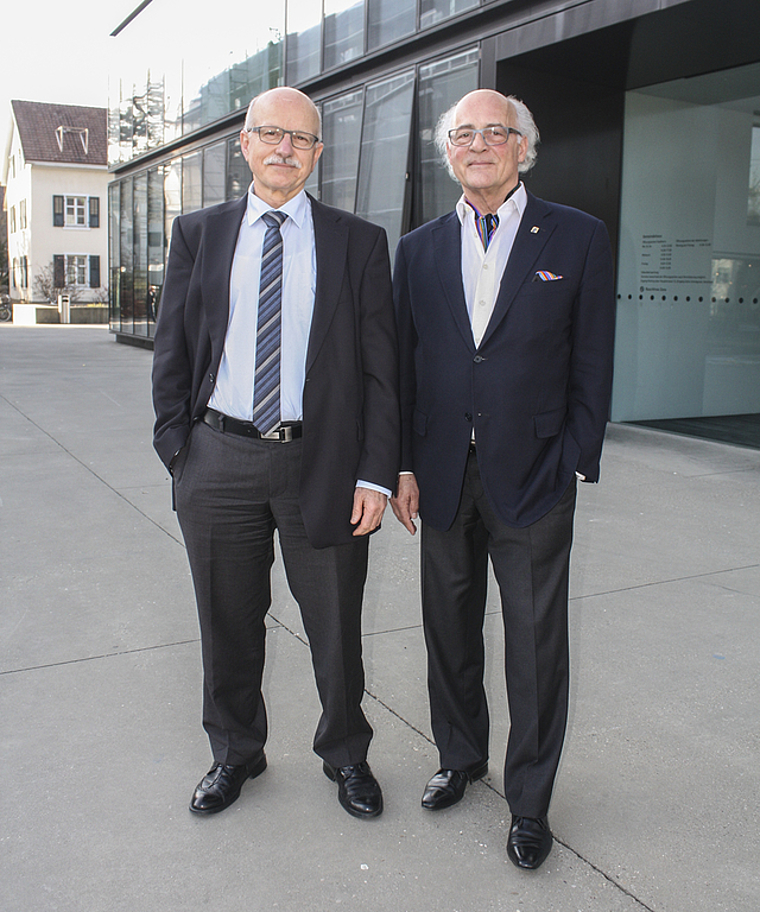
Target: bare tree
point(46, 288)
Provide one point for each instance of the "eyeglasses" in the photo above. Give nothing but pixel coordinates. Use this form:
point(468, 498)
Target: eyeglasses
point(492, 136)
point(273, 136)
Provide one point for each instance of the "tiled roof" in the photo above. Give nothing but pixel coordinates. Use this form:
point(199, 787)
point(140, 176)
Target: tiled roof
point(62, 133)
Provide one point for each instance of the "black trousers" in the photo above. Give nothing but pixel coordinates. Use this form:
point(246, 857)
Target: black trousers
point(231, 494)
point(531, 566)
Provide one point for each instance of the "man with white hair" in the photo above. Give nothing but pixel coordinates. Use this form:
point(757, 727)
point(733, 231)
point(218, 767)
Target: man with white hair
point(505, 311)
point(275, 387)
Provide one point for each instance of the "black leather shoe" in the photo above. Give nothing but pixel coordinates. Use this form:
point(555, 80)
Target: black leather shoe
point(530, 841)
point(221, 785)
point(358, 790)
point(447, 786)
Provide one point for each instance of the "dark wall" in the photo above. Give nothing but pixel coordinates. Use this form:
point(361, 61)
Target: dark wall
point(576, 90)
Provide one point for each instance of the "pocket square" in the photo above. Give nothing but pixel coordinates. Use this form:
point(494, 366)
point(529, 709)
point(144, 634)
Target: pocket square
point(544, 276)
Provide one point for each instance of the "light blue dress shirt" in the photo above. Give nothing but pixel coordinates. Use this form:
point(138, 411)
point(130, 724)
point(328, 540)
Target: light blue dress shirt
point(233, 391)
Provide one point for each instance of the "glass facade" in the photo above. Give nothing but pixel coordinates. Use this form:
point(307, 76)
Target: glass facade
point(376, 136)
point(688, 330)
point(683, 207)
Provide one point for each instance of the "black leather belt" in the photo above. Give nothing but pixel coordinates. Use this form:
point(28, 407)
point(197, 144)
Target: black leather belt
point(226, 425)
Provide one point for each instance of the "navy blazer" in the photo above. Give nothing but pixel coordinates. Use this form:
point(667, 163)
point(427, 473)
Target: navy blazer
point(350, 399)
point(536, 390)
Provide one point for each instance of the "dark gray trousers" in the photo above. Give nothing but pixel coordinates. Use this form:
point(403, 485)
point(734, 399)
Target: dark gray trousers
point(531, 566)
point(231, 494)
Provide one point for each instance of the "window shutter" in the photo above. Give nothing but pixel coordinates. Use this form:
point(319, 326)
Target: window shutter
point(59, 271)
point(94, 272)
point(94, 212)
point(58, 212)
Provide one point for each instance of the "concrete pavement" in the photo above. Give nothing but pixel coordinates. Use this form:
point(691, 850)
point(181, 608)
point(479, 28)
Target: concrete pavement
point(656, 804)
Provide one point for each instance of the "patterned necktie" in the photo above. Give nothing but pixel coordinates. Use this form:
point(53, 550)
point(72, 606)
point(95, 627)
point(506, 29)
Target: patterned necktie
point(486, 225)
point(266, 382)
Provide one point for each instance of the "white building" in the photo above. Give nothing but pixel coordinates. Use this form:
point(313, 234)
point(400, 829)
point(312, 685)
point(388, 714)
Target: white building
point(56, 173)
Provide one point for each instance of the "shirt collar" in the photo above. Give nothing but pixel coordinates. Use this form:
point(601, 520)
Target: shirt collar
point(297, 208)
point(517, 202)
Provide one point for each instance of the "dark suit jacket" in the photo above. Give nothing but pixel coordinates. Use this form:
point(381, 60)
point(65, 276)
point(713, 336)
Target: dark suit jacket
point(350, 399)
point(537, 389)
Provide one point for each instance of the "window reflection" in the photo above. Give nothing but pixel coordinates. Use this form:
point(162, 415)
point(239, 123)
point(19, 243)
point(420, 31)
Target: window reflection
point(389, 20)
point(214, 160)
point(238, 172)
point(140, 254)
point(344, 31)
point(441, 84)
point(385, 153)
point(304, 35)
point(155, 243)
point(342, 127)
point(432, 11)
point(192, 190)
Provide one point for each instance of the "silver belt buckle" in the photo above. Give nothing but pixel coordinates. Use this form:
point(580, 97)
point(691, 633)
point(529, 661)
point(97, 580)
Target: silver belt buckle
point(283, 434)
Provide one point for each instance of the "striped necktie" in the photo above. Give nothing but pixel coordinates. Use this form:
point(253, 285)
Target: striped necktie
point(266, 383)
point(486, 225)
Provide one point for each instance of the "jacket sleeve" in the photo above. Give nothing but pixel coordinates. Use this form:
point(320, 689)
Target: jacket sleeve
point(172, 368)
point(379, 358)
point(590, 381)
point(407, 343)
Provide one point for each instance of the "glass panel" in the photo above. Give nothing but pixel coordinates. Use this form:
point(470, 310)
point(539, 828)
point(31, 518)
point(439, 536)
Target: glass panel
point(238, 172)
point(192, 197)
point(214, 158)
point(167, 88)
point(172, 195)
point(155, 243)
point(688, 324)
point(303, 40)
point(432, 11)
point(342, 128)
point(140, 255)
point(385, 152)
point(344, 31)
point(389, 20)
point(442, 84)
point(114, 211)
point(126, 235)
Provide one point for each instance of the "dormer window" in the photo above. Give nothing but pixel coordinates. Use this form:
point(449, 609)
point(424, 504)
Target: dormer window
point(82, 134)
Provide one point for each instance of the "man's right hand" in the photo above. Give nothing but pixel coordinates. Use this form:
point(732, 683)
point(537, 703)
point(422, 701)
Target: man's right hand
point(406, 501)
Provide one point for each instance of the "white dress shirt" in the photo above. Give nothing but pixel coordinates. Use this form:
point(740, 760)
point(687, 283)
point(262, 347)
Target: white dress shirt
point(482, 269)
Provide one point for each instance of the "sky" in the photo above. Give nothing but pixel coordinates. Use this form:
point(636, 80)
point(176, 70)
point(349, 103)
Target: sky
point(62, 52)
point(57, 52)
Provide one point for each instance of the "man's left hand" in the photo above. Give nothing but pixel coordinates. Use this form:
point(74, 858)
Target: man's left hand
point(369, 507)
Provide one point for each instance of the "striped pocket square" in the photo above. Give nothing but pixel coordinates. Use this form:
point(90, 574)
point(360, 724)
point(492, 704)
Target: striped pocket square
point(543, 276)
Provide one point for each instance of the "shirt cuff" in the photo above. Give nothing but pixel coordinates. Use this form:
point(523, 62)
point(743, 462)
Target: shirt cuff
point(373, 487)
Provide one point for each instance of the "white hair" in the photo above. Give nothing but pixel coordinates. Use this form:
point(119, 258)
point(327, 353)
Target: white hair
point(523, 122)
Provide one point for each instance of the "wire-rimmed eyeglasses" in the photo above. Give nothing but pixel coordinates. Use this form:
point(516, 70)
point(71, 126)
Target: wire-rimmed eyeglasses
point(492, 136)
point(273, 136)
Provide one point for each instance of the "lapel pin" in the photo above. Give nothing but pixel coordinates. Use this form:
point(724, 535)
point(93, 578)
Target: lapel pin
point(534, 229)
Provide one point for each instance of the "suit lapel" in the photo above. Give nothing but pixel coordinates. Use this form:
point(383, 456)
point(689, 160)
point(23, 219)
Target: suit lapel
point(536, 227)
point(331, 243)
point(447, 250)
point(222, 233)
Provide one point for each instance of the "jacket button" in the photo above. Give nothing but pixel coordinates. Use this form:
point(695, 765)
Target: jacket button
point(467, 416)
point(478, 358)
point(212, 377)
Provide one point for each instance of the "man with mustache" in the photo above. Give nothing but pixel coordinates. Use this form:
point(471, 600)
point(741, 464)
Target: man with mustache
point(275, 391)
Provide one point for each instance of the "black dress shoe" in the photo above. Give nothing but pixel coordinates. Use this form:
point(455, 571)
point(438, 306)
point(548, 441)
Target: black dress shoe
point(221, 785)
point(530, 841)
point(358, 790)
point(447, 786)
